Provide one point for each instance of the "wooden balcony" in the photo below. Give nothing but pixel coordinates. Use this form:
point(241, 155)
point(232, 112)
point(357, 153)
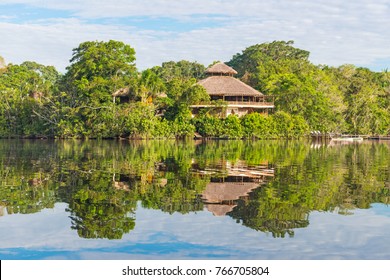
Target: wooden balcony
point(239, 102)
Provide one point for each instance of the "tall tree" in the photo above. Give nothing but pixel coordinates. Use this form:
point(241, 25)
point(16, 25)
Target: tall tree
point(258, 62)
point(366, 97)
point(97, 70)
point(299, 87)
point(24, 93)
point(182, 69)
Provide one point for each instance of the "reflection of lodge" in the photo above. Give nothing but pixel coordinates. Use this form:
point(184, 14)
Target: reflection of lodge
point(225, 183)
point(220, 197)
point(236, 181)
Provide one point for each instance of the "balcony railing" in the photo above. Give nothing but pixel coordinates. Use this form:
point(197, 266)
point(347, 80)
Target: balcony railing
point(264, 101)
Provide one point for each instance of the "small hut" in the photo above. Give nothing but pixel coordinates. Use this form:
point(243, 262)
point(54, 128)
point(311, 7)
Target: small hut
point(239, 97)
point(123, 93)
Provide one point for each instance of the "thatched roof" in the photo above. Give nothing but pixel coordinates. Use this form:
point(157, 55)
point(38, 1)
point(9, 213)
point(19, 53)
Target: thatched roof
point(222, 83)
point(121, 92)
point(221, 68)
point(220, 209)
point(219, 192)
point(227, 86)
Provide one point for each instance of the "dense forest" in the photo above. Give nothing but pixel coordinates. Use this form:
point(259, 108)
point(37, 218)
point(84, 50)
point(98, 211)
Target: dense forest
point(37, 101)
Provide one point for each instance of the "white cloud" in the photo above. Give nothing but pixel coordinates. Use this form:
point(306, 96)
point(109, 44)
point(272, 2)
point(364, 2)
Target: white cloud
point(335, 32)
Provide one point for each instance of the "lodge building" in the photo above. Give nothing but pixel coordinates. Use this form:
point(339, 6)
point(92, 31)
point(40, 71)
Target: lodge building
point(238, 98)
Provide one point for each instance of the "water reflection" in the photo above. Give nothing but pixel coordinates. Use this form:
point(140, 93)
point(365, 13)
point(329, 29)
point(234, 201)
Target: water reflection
point(267, 186)
point(230, 182)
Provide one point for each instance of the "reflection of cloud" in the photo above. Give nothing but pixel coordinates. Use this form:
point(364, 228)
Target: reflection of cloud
point(381, 209)
point(158, 235)
point(335, 32)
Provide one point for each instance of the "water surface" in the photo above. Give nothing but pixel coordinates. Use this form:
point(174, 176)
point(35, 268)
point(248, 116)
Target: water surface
point(194, 200)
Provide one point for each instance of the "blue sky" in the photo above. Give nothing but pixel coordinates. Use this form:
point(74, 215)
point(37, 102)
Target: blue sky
point(335, 32)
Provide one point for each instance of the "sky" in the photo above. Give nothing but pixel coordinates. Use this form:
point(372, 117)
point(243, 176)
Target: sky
point(335, 32)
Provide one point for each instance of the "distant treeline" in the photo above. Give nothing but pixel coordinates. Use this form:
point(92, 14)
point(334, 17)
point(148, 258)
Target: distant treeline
point(38, 101)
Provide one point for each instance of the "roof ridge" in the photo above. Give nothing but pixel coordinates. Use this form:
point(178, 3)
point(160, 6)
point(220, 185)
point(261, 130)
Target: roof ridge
point(221, 68)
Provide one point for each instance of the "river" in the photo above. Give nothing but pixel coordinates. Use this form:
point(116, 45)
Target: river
point(194, 200)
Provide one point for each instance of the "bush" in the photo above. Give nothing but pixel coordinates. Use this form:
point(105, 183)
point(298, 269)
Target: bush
point(257, 125)
point(232, 127)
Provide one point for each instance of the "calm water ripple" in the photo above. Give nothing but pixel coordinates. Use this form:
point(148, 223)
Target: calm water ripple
point(194, 200)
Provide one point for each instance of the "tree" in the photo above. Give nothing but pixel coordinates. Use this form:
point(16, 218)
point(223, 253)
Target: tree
point(148, 86)
point(366, 99)
point(257, 125)
point(2, 64)
point(297, 94)
point(256, 63)
point(25, 91)
point(299, 87)
point(180, 70)
point(97, 70)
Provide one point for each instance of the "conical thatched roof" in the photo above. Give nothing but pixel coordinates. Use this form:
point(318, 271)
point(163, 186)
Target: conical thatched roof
point(220, 209)
point(227, 86)
point(222, 83)
point(221, 68)
point(219, 192)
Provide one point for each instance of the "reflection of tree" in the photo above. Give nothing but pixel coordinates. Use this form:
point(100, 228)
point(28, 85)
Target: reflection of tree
point(264, 213)
point(336, 179)
point(366, 177)
point(99, 208)
point(25, 186)
point(27, 197)
point(160, 173)
point(174, 196)
point(102, 212)
point(103, 180)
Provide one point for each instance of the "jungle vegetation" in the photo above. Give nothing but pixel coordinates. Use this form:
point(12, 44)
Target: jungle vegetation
point(37, 101)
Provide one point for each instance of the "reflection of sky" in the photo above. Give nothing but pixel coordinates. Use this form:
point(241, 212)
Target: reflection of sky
point(158, 235)
point(381, 209)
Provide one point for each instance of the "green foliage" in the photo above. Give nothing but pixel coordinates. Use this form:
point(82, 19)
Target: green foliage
point(194, 94)
point(25, 91)
point(256, 125)
point(232, 127)
point(209, 126)
point(343, 99)
point(278, 125)
point(95, 59)
point(257, 63)
point(183, 70)
point(148, 85)
point(366, 96)
point(135, 121)
point(181, 124)
point(36, 101)
point(97, 70)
